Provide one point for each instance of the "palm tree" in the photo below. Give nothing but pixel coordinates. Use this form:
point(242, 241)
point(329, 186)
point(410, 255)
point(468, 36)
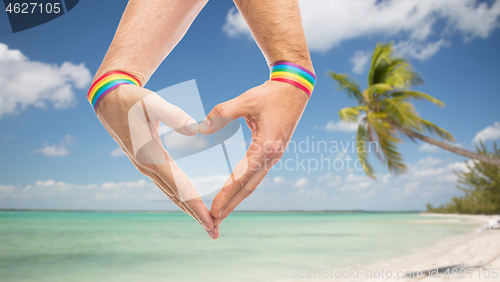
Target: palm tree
point(385, 113)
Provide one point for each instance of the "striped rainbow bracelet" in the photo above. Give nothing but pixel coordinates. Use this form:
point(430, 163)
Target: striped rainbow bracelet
point(293, 74)
point(106, 84)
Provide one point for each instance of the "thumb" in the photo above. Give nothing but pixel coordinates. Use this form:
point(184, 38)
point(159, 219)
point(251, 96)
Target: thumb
point(172, 116)
point(222, 114)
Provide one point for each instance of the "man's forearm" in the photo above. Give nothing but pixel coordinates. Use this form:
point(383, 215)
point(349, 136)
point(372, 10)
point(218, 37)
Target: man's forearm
point(147, 33)
point(277, 28)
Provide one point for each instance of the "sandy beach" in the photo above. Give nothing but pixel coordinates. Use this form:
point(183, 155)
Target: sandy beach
point(471, 257)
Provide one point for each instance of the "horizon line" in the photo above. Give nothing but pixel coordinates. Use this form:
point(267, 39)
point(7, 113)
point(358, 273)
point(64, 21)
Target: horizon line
point(241, 211)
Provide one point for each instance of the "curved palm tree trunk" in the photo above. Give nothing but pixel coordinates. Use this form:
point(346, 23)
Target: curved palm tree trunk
point(466, 153)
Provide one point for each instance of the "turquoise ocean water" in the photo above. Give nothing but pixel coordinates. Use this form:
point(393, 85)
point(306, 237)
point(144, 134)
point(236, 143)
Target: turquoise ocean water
point(127, 246)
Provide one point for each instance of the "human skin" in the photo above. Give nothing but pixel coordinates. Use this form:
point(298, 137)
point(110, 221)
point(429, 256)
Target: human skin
point(147, 33)
point(272, 110)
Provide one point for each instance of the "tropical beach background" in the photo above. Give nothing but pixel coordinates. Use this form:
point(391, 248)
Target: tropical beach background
point(404, 119)
point(127, 246)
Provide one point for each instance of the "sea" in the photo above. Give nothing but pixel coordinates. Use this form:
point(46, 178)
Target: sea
point(168, 246)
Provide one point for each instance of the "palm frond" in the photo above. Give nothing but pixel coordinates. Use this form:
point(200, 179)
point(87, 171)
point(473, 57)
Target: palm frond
point(383, 70)
point(351, 114)
point(376, 90)
point(389, 69)
point(362, 147)
point(345, 83)
point(402, 112)
point(380, 88)
point(434, 129)
point(378, 115)
point(400, 74)
point(382, 52)
point(371, 138)
point(406, 94)
point(387, 143)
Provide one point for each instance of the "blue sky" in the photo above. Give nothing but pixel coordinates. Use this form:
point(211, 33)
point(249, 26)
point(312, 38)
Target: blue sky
point(56, 154)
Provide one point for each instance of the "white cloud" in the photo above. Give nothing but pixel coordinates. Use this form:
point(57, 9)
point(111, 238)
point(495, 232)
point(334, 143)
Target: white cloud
point(301, 182)
point(4, 189)
point(426, 147)
point(411, 187)
point(385, 179)
point(419, 50)
point(341, 126)
point(26, 83)
point(360, 62)
point(118, 152)
point(425, 178)
point(59, 193)
point(460, 166)
point(61, 185)
point(47, 183)
point(53, 150)
point(427, 162)
point(235, 24)
point(352, 183)
point(279, 180)
point(329, 180)
point(489, 133)
point(356, 178)
point(7, 55)
point(58, 150)
point(411, 48)
point(138, 190)
point(312, 194)
point(122, 185)
point(358, 187)
point(328, 23)
point(428, 177)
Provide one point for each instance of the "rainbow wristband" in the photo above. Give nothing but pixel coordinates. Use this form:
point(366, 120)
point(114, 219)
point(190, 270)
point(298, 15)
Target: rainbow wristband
point(106, 84)
point(293, 74)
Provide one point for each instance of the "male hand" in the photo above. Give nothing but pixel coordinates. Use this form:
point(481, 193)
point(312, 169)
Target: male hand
point(272, 111)
point(132, 117)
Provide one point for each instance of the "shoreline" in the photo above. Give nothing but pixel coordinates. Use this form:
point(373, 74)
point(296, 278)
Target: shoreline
point(479, 250)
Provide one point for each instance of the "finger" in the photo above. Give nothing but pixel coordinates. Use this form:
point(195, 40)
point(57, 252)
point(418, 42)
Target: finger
point(243, 171)
point(163, 187)
point(258, 154)
point(213, 232)
point(232, 185)
point(194, 207)
point(157, 182)
point(184, 190)
point(175, 184)
point(156, 108)
point(201, 211)
point(224, 113)
point(246, 191)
